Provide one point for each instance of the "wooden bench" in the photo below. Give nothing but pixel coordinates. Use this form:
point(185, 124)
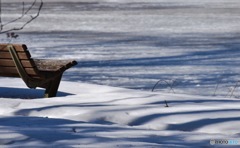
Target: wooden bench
point(16, 61)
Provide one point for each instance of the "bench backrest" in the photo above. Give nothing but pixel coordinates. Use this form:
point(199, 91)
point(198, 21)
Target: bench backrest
point(7, 65)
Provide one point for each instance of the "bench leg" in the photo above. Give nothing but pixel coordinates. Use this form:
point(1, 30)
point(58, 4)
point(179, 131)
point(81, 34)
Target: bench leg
point(52, 88)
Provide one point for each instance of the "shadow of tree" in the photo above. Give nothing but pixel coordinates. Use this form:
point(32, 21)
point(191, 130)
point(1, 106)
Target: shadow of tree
point(51, 132)
point(146, 119)
point(191, 126)
point(38, 128)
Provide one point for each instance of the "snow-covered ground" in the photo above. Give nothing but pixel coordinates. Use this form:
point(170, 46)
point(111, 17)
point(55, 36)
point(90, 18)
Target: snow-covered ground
point(123, 49)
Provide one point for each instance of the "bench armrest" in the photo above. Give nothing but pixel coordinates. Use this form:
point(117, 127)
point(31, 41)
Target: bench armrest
point(53, 65)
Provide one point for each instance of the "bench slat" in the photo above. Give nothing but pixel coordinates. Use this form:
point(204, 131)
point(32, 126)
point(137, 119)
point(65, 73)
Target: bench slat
point(18, 47)
point(8, 75)
point(31, 72)
point(9, 70)
point(9, 62)
point(13, 70)
point(21, 55)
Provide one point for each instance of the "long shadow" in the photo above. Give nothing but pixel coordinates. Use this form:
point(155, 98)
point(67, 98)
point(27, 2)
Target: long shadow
point(26, 112)
point(50, 131)
point(194, 58)
point(111, 6)
point(38, 128)
point(173, 141)
point(193, 125)
point(149, 118)
point(25, 93)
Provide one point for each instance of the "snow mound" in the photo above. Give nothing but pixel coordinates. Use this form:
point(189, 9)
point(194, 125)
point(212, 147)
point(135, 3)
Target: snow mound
point(97, 115)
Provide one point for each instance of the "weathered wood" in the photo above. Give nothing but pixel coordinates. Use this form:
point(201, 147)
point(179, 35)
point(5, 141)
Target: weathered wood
point(10, 63)
point(13, 70)
point(9, 71)
point(16, 61)
point(52, 87)
point(53, 65)
point(18, 47)
point(21, 55)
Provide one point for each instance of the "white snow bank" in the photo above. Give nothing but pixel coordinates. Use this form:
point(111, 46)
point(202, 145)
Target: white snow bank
point(96, 115)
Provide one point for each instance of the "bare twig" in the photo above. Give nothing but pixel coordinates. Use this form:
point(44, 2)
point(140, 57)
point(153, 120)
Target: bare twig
point(25, 12)
point(234, 88)
point(23, 9)
point(231, 90)
point(166, 103)
point(214, 94)
point(156, 85)
point(169, 83)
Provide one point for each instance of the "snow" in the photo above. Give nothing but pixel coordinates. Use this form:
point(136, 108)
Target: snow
point(123, 49)
point(93, 115)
